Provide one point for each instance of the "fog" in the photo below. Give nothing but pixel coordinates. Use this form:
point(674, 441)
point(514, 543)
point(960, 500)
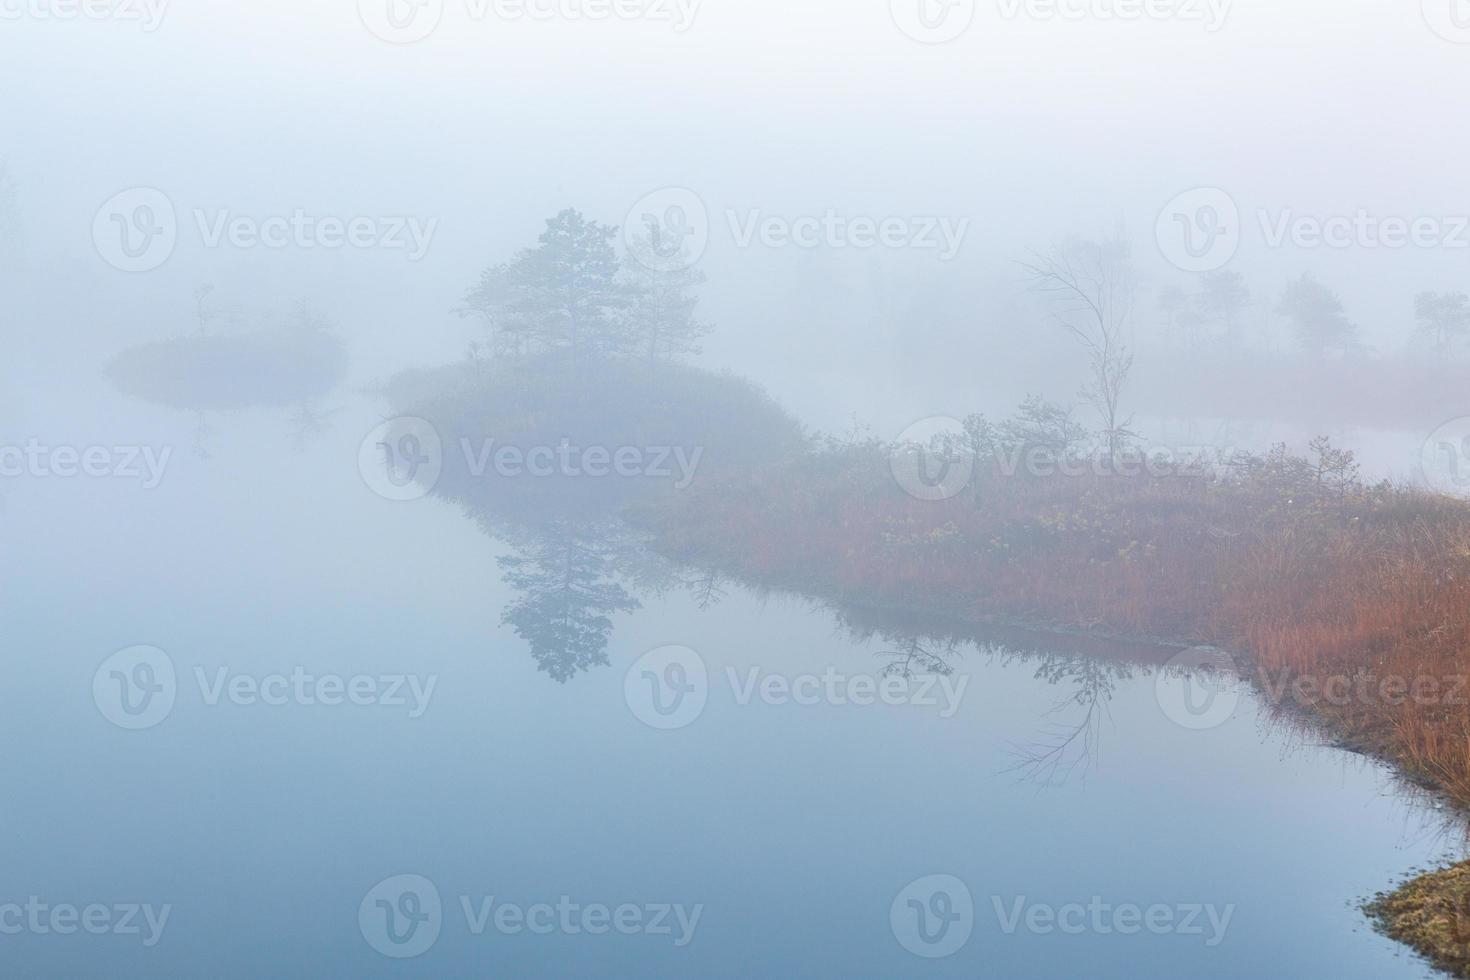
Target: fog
point(245, 247)
point(1030, 129)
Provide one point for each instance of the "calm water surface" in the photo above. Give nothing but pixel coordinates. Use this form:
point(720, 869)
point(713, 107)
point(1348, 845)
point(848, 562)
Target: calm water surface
point(824, 839)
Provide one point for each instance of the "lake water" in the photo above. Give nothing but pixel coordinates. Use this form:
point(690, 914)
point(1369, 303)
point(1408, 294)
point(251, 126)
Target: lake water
point(500, 824)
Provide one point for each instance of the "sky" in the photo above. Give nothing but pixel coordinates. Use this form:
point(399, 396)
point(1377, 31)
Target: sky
point(1033, 123)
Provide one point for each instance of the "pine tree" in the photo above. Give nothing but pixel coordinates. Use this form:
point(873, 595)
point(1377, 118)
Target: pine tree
point(563, 296)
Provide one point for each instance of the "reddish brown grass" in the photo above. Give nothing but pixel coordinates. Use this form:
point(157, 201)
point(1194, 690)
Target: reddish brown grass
point(1349, 590)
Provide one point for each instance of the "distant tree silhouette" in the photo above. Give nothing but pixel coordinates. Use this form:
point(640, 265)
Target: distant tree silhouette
point(1223, 296)
point(1443, 318)
point(1317, 317)
point(1172, 301)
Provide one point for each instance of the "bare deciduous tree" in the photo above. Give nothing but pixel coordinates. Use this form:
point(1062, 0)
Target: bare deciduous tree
point(1093, 289)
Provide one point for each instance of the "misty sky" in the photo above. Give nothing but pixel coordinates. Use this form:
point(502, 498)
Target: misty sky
point(1027, 127)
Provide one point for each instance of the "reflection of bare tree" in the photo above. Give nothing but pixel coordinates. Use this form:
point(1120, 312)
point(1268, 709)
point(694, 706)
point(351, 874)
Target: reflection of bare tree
point(1071, 745)
point(708, 590)
point(307, 421)
point(919, 644)
point(202, 431)
point(913, 656)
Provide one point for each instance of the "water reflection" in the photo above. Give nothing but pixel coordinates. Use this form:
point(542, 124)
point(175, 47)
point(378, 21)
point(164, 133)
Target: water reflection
point(564, 578)
point(211, 371)
point(1070, 742)
point(1089, 668)
point(572, 568)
